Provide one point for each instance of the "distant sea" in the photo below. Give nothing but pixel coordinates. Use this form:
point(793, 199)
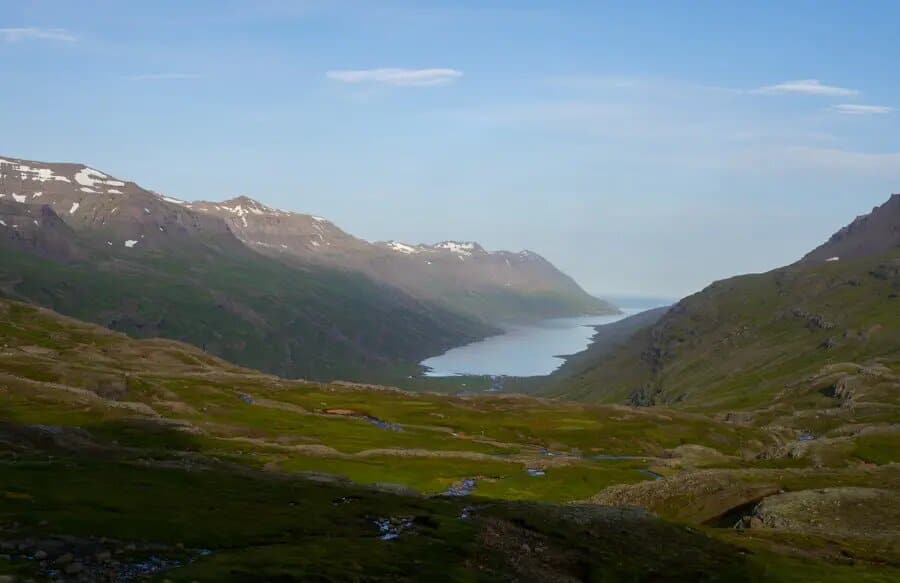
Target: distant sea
point(639, 303)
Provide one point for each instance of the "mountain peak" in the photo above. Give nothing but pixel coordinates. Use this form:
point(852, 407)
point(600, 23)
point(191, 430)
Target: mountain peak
point(460, 247)
point(242, 205)
point(870, 234)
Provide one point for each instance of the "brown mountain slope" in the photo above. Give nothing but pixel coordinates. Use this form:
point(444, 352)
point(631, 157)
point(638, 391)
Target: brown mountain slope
point(868, 235)
point(460, 276)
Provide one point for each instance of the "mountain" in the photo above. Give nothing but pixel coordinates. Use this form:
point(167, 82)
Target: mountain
point(753, 341)
point(871, 234)
point(463, 277)
point(106, 250)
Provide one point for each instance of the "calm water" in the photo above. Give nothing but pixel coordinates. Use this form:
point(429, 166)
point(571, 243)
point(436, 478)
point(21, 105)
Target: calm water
point(523, 351)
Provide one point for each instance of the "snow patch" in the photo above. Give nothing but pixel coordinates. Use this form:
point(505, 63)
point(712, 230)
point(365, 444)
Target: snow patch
point(2, 222)
point(456, 247)
point(172, 200)
point(130, 243)
point(402, 247)
point(114, 191)
point(89, 177)
point(19, 197)
point(37, 194)
point(74, 208)
point(833, 259)
point(36, 174)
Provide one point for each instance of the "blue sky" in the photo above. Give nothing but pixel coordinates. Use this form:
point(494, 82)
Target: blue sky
point(643, 147)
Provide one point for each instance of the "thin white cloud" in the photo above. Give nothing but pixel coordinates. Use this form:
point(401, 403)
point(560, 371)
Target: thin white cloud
point(858, 109)
point(821, 160)
point(807, 87)
point(17, 35)
point(398, 77)
point(163, 77)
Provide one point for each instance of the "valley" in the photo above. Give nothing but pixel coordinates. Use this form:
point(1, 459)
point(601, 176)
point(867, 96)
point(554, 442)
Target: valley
point(437, 478)
point(282, 292)
point(308, 291)
point(728, 434)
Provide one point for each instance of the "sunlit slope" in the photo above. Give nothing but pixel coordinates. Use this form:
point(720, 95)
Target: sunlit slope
point(741, 342)
point(164, 394)
point(216, 472)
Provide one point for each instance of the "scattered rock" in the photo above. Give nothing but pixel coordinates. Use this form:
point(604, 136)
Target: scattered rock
point(74, 568)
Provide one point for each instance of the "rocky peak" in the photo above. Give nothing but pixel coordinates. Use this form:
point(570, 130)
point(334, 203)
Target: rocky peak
point(244, 205)
point(465, 248)
point(868, 235)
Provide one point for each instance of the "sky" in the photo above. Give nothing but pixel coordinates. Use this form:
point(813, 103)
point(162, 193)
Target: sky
point(646, 148)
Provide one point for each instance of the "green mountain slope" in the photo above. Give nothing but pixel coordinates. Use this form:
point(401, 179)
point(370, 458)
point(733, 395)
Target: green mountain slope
point(113, 253)
point(740, 342)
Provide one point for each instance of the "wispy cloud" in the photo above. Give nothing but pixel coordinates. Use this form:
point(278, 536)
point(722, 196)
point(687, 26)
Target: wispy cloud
point(398, 77)
point(163, 77)
point(807, 87)
point(17, 35)
point(857, 109)
point(819, 159)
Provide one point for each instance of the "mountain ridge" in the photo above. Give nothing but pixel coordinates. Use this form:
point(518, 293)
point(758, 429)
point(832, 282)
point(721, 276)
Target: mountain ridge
point(743, 339)
point(150, 265)
point(492, 286)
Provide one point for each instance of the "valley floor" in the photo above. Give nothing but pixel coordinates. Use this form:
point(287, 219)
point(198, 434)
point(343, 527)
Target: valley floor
point(129, 459)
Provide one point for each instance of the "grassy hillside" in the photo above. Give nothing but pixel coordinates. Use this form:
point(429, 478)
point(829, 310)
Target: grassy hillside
point(309, 323)
point(741, 343)
point(190, 468)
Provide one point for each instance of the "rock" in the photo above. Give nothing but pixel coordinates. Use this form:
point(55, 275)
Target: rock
point(64, 559)
point(103, 556)
point(73, 568)
point(755, 522)
point(40, 554)
point(7, 579)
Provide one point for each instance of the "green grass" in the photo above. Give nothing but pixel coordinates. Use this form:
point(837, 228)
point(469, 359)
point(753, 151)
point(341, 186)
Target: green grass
point(181, 457)
point(739, 342)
